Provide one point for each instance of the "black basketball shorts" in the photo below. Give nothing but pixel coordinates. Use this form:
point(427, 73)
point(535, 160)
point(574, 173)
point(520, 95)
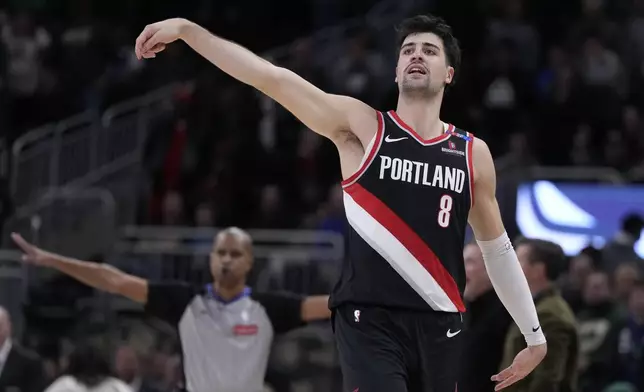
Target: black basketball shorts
point(394, 350)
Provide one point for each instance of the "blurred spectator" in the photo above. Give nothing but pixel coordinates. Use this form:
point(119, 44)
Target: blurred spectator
point(582, 152)
point(487, 324)
point(88, 371)
point(542, 262)
point(573, 282)
point(621, 249)
point(627, 342)
point(20, 369)
point(595, 22)
point(513, 27)
point(519, 155)
point(356, 73)
point(600, 66)
point(625, 277)
point(128, 370)
point(331, 215)
point(595, 320)
point(272, 213)
point(555, 81)
point(173, 209)
point(615, 150)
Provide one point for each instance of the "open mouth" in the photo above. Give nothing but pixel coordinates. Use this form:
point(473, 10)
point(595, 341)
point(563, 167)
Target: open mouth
point(416, 69)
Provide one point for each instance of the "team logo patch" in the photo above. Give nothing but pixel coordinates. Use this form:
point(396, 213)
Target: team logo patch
point(451, 148)
point(245, 330)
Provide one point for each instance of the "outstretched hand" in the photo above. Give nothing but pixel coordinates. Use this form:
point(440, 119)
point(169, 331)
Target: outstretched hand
point(524, 363)
point(32, 254)
point(156, 36)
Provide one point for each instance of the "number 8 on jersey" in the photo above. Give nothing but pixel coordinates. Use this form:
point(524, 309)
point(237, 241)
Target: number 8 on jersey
point(445, 210)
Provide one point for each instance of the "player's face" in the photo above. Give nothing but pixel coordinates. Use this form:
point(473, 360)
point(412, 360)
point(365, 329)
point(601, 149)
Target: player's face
point(422, 65)
point(596, 289)
point(477, 281)
point(230, 260)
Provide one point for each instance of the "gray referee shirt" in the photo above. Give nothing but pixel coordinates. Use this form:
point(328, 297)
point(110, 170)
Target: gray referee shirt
point(225, 344)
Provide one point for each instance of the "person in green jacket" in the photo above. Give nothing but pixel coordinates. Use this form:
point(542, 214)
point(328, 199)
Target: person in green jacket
point(542, 261)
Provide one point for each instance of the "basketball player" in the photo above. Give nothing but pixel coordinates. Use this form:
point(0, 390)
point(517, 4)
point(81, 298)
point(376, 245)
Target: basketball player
point(225, 329)
point(411, 184)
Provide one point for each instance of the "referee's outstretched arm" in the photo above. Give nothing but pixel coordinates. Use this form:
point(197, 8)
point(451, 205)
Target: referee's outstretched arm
point(107, 278)
point(99, 276)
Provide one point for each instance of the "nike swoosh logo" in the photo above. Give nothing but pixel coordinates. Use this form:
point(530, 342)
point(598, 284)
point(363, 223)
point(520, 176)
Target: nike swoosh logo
point(390, 140)
point(536, 329)
point(451, 334)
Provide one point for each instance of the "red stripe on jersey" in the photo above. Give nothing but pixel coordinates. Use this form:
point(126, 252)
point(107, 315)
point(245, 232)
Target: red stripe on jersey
point(415, 134)
point(409, 239)
point(372, 152)
point(470, 166)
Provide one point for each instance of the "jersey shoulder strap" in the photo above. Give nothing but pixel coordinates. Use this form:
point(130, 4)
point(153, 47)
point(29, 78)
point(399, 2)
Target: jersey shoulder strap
point(461, 133)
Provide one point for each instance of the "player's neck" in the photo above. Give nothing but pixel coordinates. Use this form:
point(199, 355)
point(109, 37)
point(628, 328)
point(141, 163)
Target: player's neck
point(423, 115)
point(229, 292)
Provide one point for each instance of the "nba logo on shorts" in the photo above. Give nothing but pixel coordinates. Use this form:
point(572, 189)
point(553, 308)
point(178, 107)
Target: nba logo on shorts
point(356, 316)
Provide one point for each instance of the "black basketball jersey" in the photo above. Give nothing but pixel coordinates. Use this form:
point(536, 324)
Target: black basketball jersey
point(407, 208)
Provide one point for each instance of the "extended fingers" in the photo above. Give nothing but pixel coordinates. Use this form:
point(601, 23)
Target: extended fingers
point(21, 242)
point(143, 39)
point(507, 382)
point(504, 374)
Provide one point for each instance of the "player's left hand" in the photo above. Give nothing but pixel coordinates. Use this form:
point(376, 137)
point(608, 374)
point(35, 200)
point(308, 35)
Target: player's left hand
point(154, 38)
point(523, 364)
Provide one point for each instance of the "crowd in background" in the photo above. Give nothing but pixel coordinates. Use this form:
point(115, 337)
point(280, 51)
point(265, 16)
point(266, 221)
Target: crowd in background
point(544, 82)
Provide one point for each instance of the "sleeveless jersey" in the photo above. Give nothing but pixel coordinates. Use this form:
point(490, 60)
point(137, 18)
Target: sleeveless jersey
point(407, 206)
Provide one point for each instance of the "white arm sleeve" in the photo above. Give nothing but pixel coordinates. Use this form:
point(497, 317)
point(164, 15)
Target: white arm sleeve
point(511, 286)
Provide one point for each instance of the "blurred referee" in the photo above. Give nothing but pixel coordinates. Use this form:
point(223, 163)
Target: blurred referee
point(225, 329)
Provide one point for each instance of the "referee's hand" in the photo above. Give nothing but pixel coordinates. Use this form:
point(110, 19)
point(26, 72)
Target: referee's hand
point(31, 253)
point(523, 364)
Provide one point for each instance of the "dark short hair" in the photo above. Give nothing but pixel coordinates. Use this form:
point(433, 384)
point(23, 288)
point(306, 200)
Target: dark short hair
point(638, 285)
point(633, 224)
point(88, 364)
point(546, 252)
point(436, 25)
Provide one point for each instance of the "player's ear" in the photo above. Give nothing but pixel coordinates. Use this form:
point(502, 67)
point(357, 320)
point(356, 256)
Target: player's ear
point(450, 75)
point(396, 78)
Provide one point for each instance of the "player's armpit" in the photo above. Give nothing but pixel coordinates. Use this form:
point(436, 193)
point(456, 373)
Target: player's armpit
point(327, 114)
point(485, 216)
point(316, 308)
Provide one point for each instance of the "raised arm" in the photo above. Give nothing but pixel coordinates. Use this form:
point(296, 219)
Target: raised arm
point(327, 114)
point(99, 276)
point(503, 267)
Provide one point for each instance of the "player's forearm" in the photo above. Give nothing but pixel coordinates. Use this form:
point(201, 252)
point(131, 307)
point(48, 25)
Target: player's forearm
point(98, 276)
point(512, 287)
point(235, 60)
